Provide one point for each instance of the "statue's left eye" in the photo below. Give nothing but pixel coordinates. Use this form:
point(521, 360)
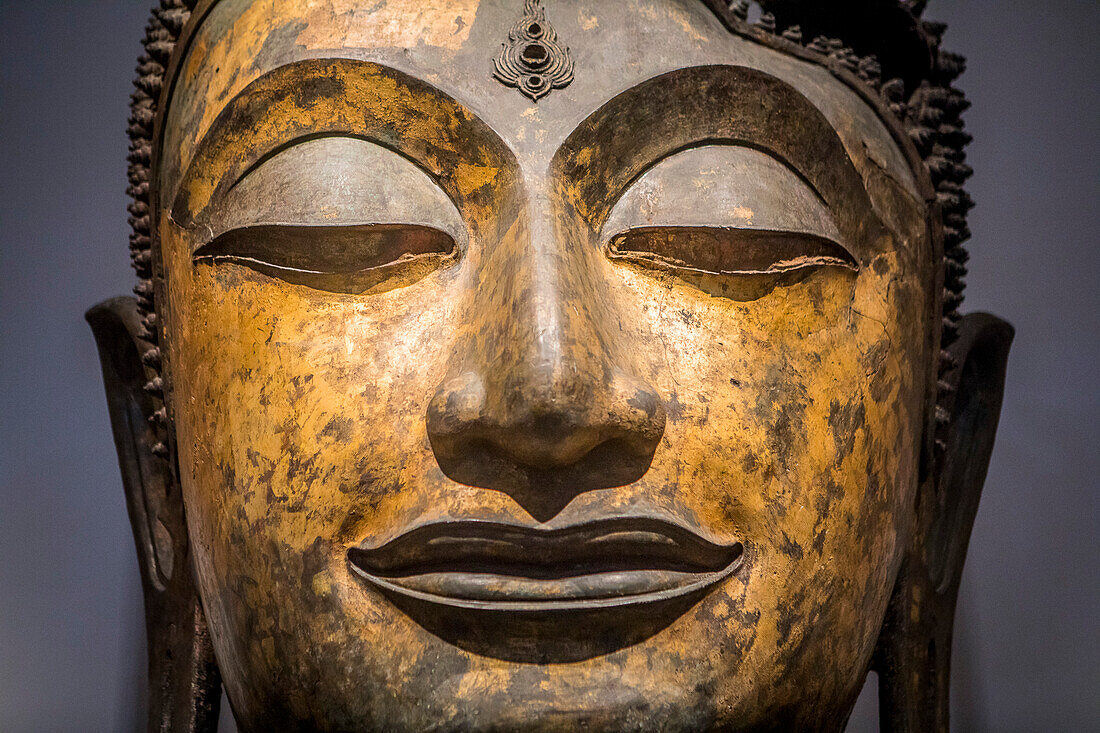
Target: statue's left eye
point(743, 264)
point(351, 259)
point(730, 220)
point(728, 250)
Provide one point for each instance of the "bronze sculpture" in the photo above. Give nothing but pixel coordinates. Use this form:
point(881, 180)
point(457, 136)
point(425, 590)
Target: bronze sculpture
point(546, 365)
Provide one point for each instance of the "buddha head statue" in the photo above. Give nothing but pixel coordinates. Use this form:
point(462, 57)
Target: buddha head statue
point(561, 365)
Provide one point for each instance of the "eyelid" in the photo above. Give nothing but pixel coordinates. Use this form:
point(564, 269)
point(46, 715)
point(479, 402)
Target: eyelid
point(733, 189)
point(351, 258)
point(334, 181)
point(729, 250)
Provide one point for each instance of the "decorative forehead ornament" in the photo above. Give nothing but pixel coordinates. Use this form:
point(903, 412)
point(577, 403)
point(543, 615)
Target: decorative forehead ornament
point(532, 60)
point(880, 49)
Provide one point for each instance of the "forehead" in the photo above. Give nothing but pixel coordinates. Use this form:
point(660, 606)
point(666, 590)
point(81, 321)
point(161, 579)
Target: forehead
point(615, 44)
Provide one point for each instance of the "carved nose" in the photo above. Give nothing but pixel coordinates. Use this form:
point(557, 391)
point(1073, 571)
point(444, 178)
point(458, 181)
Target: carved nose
point(548, 437)
point(541, 401)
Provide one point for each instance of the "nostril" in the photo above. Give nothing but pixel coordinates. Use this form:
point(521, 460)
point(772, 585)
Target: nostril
point(635, 415)
point(456, 409)
point(645, 402)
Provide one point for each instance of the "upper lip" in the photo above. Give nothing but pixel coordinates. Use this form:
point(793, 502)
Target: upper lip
point(611, 545)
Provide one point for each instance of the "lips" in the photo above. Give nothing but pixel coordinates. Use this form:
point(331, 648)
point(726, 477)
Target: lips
point(607, 563)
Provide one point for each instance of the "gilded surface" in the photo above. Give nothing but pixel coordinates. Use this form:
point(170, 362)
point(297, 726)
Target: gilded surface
point(781, 411)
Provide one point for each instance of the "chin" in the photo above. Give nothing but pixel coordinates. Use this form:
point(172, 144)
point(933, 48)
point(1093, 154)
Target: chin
point(364, 663)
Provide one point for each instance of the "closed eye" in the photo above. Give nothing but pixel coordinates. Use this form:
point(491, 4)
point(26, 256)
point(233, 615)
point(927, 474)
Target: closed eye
point(729, 250)
point(347, 259)
point(741, 264)
point(729, 220)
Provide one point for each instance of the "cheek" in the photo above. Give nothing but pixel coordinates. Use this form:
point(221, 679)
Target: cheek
point(796, 423)
point(299, 415)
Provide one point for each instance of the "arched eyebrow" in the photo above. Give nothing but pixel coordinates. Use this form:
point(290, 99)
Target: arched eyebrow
point(710, 105)
point(316, 98)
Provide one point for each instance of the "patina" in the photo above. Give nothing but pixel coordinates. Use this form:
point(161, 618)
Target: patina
point(578, 364)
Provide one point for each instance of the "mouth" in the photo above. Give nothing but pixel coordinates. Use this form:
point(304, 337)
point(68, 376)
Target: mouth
point(611, 563)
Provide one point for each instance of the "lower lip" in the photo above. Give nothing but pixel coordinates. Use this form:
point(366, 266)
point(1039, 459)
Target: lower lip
point(494, 592)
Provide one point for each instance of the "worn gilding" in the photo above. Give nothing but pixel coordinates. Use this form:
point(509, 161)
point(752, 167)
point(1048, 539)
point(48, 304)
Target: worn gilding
point(694, 295)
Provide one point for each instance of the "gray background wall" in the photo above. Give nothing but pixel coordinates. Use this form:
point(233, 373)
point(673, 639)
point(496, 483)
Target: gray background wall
point(1027, 654)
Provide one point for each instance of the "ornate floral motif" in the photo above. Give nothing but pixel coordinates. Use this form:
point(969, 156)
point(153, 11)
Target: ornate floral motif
point(532, 60)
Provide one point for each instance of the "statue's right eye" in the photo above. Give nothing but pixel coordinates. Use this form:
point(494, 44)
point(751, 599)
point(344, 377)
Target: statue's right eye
point(351, 259)
point(337, 214)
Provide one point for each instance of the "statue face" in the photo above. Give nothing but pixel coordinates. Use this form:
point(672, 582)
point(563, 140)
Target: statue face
point(501, 414)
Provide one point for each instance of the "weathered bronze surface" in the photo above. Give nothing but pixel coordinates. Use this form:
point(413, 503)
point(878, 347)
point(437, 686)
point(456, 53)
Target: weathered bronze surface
point(643, 405)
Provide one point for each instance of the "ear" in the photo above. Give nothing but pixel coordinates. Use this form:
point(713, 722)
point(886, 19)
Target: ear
point(914, 648)
point(184, 683)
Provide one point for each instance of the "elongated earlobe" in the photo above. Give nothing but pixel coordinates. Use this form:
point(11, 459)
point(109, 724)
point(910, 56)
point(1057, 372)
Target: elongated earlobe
point(184, 683)
point(914, 650)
